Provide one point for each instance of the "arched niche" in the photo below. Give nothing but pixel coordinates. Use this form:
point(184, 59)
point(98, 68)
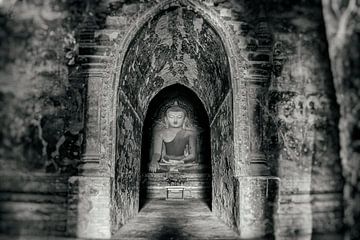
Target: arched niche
point(175, 46)
point(119, 96)
point(196, 177)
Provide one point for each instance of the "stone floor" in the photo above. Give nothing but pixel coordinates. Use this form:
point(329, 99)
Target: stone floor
point(175, 219)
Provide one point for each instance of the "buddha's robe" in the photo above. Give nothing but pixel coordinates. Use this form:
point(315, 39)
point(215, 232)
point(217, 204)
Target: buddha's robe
point(177, 146)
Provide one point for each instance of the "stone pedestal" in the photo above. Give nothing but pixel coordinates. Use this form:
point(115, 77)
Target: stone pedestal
point(196, 185)
point(257, 203)
point(89, 207)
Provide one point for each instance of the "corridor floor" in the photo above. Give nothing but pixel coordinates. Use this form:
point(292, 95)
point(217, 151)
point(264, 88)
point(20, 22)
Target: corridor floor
point(161, 219)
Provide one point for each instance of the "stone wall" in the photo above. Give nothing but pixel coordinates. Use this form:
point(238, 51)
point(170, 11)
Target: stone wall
point(176, 46)
point(41, 111)
point(224, 190)
point(303, 149)
point(33, 204)
point(41, 107)
point(126, 186)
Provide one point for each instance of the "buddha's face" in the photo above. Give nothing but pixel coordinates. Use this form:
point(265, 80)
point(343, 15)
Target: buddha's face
point(175, 118)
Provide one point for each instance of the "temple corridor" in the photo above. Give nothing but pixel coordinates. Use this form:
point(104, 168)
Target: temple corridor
point(175, 219)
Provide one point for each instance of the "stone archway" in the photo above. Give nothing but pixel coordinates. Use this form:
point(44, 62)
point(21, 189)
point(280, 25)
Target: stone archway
point(176, 46)
point(117, 115)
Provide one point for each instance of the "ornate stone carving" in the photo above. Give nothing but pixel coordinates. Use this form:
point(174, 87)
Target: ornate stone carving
point(256, 103)
point(91, 156)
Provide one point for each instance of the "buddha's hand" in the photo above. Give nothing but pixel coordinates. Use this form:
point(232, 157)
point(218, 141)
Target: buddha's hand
point(154, 166)
point(174, 162)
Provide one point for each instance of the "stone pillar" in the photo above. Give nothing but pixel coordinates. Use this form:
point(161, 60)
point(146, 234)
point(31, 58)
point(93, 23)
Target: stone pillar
point(258, 191)
point(90, 158)
point(89, 195)
point(256, 100)
point(89, 207)
point(258, 197)
point(257, 83)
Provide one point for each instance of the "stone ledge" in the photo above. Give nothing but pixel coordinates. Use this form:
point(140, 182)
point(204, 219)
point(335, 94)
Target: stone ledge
point(35, 204)
point(35, 183)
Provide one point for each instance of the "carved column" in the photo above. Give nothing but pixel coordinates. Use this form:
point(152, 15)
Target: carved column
point(257, 84)
point(258, 191)
point(89, 193)
point(90, 158)
point(256, 101)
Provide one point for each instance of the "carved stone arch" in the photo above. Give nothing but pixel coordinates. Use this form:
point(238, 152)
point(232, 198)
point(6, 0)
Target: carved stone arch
point(208, 14)
point(235, 117)
point(172, 84)
point(212, 18)
point(224, 113)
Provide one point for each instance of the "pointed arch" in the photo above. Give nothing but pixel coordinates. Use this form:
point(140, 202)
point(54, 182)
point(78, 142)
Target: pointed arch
point(221, 120)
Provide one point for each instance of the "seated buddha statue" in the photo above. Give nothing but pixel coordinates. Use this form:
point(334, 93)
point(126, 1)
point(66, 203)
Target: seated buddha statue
point(175, 144)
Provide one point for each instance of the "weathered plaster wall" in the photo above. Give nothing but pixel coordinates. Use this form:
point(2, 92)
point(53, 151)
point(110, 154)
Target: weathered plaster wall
point(224, 191)
point(126, 186)
point(41, 113)
point(302, 117)
point(40, 106)
point(176, 46)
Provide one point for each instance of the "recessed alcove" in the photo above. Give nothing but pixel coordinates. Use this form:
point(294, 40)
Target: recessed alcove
point(177, 55)
point(191, 181)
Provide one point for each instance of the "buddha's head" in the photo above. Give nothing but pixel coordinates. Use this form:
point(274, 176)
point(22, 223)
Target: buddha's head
point(175, 116)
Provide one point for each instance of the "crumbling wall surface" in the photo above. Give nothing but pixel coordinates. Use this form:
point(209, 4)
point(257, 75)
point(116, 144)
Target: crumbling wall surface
point(176, 46)
point(126, 186)
point(40, 114)
point(224, 188)
point(342, 19)
point(300, 112)
point(302, 138)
